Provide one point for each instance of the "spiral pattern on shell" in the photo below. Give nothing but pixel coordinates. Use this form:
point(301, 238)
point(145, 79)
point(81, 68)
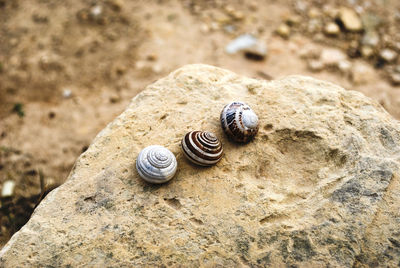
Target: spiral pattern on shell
point(239, 121)
point(156, 164)
point(202, 148)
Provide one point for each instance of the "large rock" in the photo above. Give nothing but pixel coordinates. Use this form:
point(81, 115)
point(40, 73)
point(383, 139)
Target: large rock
point(319, 186)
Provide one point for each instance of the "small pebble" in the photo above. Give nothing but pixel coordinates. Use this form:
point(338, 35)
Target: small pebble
point(318, 37)
point(314, 26)
point(114, 98)
point(367, 51)
point(67, 93)
point(332, 29)
point(238, 15)
point(256, 52)
point(116, 4)
point(370, 38)
point(253, 5)
point(229, 9)
point(157, 68)
point(315, 65)
point(50, 62)
point(221, 18)
point(8, 188)
point(332, 56)
point(251, 46)
point(344, 66)
point(359, 9)
point(152, 57)
point(300, 6)
point(309, 51)
point(353, 49)
point(283, 31)
point(96, 11)
point(350, 19)
point(293, 20)
point(362, 73)
point(230, 28)
point(388, 55)
point(314, 13)
point(240, 43)
point(395, 78)
point(140, 65)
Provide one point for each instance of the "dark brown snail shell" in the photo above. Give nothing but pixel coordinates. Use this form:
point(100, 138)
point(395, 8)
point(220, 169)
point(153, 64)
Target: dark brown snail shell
point(202, 148)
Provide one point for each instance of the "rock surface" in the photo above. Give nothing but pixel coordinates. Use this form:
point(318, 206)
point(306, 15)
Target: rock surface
point(319, 185)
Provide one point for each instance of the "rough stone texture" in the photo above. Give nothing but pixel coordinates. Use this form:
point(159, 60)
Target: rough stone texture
point(318, 186)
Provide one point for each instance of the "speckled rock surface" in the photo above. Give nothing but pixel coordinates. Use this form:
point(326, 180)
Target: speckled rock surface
point(319, 184)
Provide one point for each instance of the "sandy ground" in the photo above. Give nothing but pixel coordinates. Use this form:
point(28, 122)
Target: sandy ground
point(67, 68)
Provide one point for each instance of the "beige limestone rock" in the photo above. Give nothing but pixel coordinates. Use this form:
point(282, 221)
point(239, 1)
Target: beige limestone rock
point(319, 185)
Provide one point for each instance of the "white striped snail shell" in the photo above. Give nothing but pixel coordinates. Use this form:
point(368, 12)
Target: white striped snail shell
point(202, 148)
point(239, 121)
point(156, 164)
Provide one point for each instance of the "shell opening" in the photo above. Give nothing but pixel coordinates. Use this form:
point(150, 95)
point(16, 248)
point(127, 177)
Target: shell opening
point(250, 119)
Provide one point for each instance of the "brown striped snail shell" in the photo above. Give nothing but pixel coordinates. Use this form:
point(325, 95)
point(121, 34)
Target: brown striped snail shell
point(202, 148)
point(239, 121)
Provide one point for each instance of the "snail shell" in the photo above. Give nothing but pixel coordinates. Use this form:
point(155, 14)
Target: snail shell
point(156, 164)
point(239, 121)
point(202, 148)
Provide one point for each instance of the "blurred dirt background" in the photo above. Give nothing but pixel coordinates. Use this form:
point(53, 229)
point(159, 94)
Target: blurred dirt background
point(67, 68)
